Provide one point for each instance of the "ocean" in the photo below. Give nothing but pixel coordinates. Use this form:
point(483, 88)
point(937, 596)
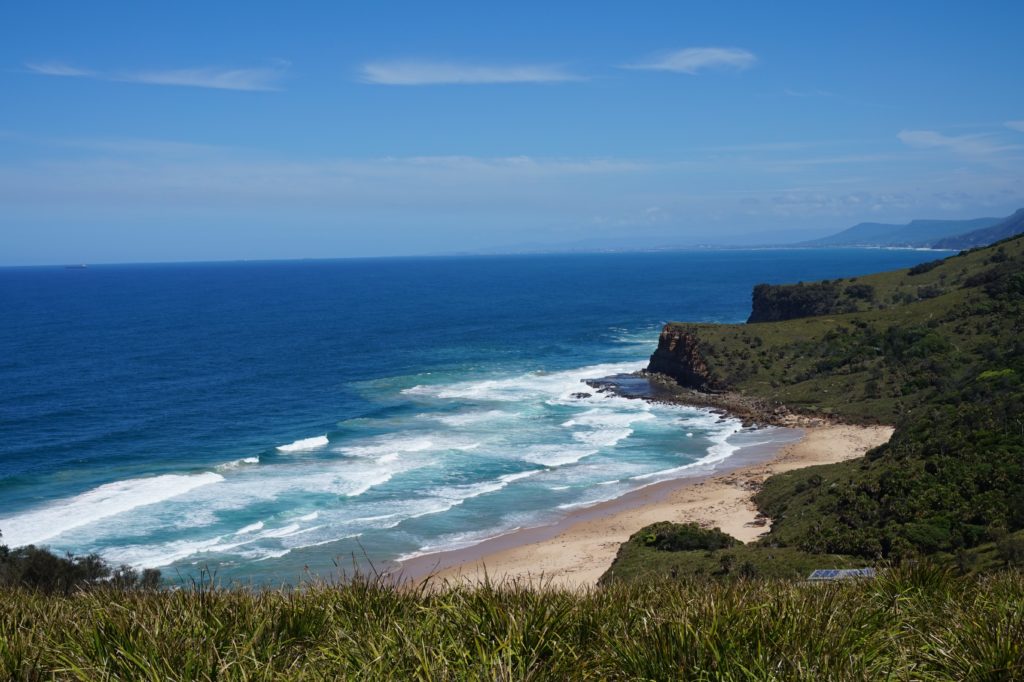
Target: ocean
point(268, 421)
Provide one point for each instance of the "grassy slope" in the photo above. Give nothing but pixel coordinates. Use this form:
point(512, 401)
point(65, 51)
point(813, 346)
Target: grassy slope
point(940, 354)
point(851, 365)
point(920, 624)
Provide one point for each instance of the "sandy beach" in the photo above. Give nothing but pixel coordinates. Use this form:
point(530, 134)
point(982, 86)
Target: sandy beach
point(576, 551)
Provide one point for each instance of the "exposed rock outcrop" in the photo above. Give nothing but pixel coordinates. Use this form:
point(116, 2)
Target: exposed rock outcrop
point(679, 356)
point(679, 373)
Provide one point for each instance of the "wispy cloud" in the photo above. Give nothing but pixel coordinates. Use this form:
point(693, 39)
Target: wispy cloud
point(1015, 125)
point(418, 72)
point(209, 77)
point(967, 145)
point(114, 183)
point(694, 59)
point(253, 79)
point(59, 69)
point(159, 171)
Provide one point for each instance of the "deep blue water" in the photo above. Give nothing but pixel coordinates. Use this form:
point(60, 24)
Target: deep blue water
point(259, 417)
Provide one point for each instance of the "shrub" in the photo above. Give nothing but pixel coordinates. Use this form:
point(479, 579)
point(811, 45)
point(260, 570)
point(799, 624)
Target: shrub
point(922, 268)
point(37, 568)
point(680, 537)
point(864, 292)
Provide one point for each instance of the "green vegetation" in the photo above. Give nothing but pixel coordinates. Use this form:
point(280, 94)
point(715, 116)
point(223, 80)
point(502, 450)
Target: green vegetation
point(919, 623)
point(674, 551)
point(38, 569)
point(774, 303)
point(937, 350)
point(679, 537)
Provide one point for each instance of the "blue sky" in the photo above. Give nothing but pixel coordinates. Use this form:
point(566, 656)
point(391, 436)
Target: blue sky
point(203, 131)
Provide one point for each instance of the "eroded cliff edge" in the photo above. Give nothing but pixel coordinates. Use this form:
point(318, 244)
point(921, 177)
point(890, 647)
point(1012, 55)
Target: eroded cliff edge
point(679, 356)
point(680, 368)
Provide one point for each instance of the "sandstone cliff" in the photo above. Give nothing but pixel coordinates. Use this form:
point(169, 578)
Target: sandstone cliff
point(679, 356)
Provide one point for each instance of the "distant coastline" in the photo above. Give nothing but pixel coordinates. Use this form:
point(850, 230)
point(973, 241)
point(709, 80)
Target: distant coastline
point(482, 254)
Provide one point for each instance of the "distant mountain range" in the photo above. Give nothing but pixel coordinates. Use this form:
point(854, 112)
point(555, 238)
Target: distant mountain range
point(920, 233)
point(1008, 227)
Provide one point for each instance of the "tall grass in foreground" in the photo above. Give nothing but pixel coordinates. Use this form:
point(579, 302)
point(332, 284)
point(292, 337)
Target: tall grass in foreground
point(909, 624)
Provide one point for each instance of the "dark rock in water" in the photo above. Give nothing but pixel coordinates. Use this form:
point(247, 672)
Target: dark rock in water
point(628, 386)
point(580, 396)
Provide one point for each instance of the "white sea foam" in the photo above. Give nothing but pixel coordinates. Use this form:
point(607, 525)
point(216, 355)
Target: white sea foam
point(583, 504)
point(310, 517)
point(248, 542)
point(509, 478)
point(386, 445)
point(608, 427)
point(722, 448)
point(381, 517)
point(37, 525)
point(602, 438)
point(304, 444)
point(371, 480)
point(330, 540)
point(445, 498)
point(390, 446)
point(235, 464)
point(604, 419)
point(558, 386)
point(283, 532)
point(646, 339)
point(556, 455)
point(719, 450)
point(156, 555)
point(461, 493)
point(453, 541)
point(475, 417)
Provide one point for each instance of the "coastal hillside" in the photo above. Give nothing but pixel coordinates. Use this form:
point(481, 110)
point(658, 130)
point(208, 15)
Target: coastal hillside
point(938, 351)
point(1010, 227)
point(916, 233)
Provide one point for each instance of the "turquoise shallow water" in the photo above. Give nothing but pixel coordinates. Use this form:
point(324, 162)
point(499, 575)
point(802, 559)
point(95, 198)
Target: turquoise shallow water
point(260, 419)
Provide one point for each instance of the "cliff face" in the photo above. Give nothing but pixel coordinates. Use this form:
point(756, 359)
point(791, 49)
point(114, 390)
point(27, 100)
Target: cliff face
point(775, 303)
point(678, 355)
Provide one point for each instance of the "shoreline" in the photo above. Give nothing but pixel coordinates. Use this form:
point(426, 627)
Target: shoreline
point(576, 550)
